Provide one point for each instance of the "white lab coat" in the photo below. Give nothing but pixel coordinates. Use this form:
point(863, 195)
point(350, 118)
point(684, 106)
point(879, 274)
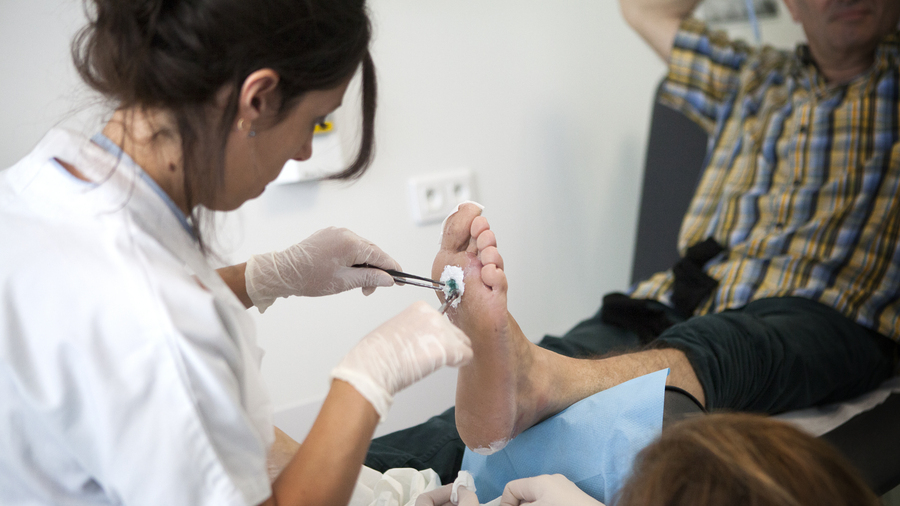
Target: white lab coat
point(122, 379)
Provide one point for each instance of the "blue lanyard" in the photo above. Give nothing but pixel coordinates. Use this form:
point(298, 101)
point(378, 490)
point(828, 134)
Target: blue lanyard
point(754, 22)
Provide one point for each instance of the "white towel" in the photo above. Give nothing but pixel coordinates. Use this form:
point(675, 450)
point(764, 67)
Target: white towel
point(822, 419)
point(396, 487)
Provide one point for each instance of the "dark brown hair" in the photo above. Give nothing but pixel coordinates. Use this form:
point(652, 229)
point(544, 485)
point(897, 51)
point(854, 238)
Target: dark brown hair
point(742, 459)
point(177, 55)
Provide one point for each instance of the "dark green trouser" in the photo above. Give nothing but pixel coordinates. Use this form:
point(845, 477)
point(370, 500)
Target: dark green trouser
point(780, 354)
point(770, 356)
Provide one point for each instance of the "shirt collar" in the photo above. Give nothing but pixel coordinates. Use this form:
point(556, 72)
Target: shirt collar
point(112, 148)
point(887, 55)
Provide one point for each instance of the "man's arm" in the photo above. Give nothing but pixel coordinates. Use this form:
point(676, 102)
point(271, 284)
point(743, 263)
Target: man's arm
point(657, 21)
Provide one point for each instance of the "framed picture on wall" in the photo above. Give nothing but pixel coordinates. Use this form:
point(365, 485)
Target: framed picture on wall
point(727, 11)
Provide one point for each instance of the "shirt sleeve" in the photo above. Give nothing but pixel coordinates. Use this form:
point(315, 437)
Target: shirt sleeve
point(704, 72)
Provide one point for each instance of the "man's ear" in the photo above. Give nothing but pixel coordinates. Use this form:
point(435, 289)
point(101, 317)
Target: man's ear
point(259, 96)
point(792, 8)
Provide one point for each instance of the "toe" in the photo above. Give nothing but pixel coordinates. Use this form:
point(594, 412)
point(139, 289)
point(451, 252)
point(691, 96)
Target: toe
point(494, 277)
point(479, 225)
point(485, 240)
point(491, 256)
point(457, 228)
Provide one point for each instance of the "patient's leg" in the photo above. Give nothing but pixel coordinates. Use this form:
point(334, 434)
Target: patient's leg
point(511, 384)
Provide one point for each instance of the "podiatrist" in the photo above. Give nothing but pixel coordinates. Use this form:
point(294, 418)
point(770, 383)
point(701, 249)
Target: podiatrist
point(129, 372)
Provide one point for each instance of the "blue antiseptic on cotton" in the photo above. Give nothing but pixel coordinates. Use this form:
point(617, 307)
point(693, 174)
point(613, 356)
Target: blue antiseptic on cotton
point(593, 442)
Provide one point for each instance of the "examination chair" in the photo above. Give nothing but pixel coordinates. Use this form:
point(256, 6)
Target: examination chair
point(676, 150)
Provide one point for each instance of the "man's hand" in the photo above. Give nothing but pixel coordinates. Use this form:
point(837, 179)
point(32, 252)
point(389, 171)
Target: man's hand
point(657, 21)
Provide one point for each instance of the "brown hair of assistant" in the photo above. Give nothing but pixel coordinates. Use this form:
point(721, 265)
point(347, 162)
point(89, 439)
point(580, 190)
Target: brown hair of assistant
point(742, 459)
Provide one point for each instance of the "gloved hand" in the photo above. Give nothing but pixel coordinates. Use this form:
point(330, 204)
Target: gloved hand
point(319, 265)
point(441, 497)
point(403, 350)
point(546, 490)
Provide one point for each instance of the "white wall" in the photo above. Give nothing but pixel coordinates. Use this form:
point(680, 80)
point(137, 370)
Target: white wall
point(547, 102)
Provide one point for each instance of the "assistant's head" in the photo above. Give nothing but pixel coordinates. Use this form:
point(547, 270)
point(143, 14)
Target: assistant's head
point(239, 84)
point(844, 30)
point(741, 459)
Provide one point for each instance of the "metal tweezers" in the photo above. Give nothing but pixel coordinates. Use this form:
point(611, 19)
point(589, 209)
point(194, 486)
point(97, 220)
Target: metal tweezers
point(446, 305)
point(402, 277)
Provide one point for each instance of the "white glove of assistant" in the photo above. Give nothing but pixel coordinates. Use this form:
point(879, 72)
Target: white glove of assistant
point(403, 350)
point(546, 490)
point(441, 497)
point(320, 265)
point(459, 493)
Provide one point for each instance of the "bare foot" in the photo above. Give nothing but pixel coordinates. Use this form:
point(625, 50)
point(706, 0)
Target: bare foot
point(512, 384)
point(507, 386)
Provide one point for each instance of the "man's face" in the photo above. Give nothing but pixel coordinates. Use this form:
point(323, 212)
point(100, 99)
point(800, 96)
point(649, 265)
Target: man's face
point(843, 28)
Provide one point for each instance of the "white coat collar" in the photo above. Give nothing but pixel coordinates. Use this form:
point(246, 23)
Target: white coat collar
point(121, 186)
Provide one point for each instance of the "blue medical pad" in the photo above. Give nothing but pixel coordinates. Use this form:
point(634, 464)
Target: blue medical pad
point(592, 442)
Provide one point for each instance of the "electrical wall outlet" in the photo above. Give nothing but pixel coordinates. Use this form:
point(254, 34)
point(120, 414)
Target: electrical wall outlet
point(434, 196)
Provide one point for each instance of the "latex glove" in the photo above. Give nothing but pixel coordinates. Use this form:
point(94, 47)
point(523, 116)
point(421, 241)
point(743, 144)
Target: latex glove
point(441, 497)
point(546, 490)
point(403, 350)
point(319, 265)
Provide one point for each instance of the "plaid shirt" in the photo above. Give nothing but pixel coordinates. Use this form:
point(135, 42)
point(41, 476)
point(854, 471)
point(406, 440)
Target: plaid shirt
point(801, 178)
